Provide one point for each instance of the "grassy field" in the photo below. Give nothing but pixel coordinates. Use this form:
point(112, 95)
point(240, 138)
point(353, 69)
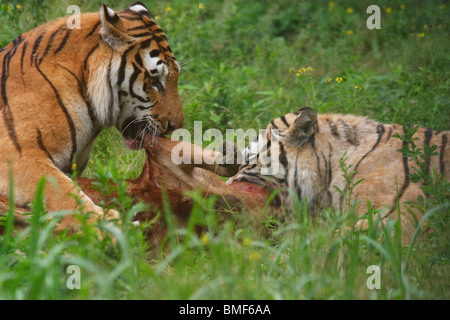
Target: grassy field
point(245, 63)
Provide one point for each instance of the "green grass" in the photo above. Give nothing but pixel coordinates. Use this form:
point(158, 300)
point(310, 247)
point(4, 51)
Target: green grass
point(240, 63)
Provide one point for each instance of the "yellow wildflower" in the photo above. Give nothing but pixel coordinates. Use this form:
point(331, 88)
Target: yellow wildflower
point(330, 6)
point(388, 10)
point(201, 6)
point(421, 35)
point(205, 239)
point(157, 17)
point(9, 8)
point(349, 32)
point(297, 74)
point(358, 87)
point(339, 79)
point(254, 256)
point(402, 6)
point(350, 10)
point(246, 241)
point(309, 69)
point(18, 6)
point(74, 166)
point(328, 80)
point(169, 8)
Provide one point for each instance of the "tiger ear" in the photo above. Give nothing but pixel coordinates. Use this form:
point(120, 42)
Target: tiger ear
point(110, 31)
point(302, 128)
point(140, 8)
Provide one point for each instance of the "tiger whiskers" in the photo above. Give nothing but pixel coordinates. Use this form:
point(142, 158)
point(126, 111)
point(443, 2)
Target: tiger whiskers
point(183, 62)
point(150, 129)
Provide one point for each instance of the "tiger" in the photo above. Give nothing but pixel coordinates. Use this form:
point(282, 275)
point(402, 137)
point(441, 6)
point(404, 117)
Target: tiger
point(60, 86)
point(310, 149)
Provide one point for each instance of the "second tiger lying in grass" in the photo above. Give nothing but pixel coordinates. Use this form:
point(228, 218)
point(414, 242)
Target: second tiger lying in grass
point(311, 149)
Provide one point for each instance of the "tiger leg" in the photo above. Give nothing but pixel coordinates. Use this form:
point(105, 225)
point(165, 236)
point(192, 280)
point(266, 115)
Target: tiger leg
point(60, 192)
point(387, 204)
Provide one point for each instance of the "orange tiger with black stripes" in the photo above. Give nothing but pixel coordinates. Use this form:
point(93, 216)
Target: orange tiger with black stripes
point(60, 87)
point(309, 150)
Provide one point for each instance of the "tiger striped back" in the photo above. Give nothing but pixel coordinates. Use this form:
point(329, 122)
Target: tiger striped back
point(311, 146)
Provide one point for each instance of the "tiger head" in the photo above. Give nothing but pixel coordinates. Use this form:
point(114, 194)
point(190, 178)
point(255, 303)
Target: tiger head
point(143, 74)
point(267, 160)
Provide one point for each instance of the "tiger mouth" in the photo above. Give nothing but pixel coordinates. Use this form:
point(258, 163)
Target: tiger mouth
point(250, 178)
point(247, 178)
point(135, 130)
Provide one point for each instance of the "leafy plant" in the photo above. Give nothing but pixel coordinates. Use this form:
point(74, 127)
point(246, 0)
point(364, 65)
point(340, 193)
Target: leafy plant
point(348, 174)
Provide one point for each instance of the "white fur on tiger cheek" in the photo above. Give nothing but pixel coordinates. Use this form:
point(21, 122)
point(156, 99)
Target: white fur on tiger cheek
point(113, 79)
point(100, 94)
point(306, 180)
